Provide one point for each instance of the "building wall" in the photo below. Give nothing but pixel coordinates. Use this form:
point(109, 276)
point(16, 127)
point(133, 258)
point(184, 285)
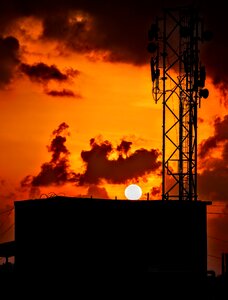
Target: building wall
point(110, 236)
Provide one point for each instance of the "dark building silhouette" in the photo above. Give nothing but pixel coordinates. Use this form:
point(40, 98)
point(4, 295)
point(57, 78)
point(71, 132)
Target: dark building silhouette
point(63, 234)
point(7, 250)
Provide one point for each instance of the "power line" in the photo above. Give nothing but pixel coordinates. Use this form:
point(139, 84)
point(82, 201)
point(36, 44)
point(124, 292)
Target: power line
point(6, 211)
point(7, 230)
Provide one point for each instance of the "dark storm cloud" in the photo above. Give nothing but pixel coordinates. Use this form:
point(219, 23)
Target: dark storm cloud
point(9, 59)
point(57, 170)
point(63, 93)
point(62, 127)
point(120, 170)
point(215, 53)
point(213, 178)
point(213, 182)
point(53, 174)
point(220, 135)
point(124, 147)
point(57, 148)
point(120, 27)
point(41, 72)
point(77, 35)
point(98, 164)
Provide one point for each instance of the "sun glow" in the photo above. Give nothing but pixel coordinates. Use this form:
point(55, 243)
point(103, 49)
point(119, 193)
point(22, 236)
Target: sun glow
point(133, 192)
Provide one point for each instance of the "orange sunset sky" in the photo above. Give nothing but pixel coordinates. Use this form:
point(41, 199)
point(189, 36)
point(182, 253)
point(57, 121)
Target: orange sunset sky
point(75, 94)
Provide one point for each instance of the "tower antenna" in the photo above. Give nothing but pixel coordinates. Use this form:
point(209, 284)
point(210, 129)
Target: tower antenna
point(178, 80)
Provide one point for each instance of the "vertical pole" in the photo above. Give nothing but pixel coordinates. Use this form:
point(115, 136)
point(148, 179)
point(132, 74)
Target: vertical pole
point(223, 264)
point(196, 112)
point(190, 150)
point(191, 107)
point(180, 164)
point(180, 171)
point(164, 197)
point(226, 264)
point(195, 171)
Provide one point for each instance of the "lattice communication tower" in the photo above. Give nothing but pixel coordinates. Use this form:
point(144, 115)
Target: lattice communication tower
point(178, 81)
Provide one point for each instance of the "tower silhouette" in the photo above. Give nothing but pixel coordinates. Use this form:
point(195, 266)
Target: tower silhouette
point(178, 79)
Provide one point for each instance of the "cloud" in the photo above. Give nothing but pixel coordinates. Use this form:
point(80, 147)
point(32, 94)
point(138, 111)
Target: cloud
point(62, 128)
point(99, 167)
point(215, 59)
point(95, 191)
point(97, 162)
point(63, 93)
point(212, 180)
point(156, 192)
point(41, 72)
point(9, 59)
point(77, 31)
point(124, 147)
point(220, 135)
point(57, 171)
point(119, 28)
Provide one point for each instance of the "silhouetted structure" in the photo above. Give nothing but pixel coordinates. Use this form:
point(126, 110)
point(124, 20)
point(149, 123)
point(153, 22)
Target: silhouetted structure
point(7, 250)
point(64, 234)
point(225, 264)
point(178, 79)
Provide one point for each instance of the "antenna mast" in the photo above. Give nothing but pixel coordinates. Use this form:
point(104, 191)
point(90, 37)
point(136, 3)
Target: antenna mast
point(178, 79)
